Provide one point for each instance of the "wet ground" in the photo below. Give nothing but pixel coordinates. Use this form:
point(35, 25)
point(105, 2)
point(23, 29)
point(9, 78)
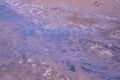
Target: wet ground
point(59, 40)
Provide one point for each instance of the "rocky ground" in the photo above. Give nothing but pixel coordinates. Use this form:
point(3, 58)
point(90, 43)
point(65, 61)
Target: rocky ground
point(59, 40)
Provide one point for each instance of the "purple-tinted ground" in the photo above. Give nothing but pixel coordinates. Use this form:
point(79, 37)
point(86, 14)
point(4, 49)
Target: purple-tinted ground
point(38, 46)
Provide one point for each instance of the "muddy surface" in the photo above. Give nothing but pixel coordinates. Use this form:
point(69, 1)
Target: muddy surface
point(59, 40)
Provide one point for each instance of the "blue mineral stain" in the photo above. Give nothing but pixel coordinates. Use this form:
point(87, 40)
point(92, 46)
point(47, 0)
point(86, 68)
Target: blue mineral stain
point(8, 14)
point(33, 25)
point(5, 65)
point(70, 65)
point(21, 47)
point(55, 35)
point(7, 58)
point(34, 53)
point(116, 78)
point(103, 68)
point(27, 33)
point(67, 8)
point(81, 60)
point(87, 64)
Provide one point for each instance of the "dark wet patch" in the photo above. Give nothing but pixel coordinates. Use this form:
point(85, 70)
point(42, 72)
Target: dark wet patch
point(72, 68)
point(86, 69)
point(64, 51)
point(95, 68)
point(116, 57)
point(115, 51)
point(70, 42)
point(102, 76)
point(70, 65)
